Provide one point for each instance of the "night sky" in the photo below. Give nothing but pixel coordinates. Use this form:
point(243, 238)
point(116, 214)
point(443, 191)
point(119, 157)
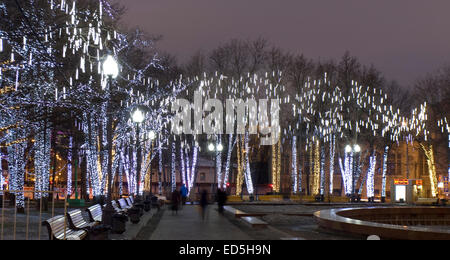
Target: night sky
point(405, 39)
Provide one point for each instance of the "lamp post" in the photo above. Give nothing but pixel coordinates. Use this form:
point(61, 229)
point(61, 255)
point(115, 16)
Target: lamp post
point(354, 151)
point(111, 70)
point(214, 148)
point(151, 136)
point(138, 117)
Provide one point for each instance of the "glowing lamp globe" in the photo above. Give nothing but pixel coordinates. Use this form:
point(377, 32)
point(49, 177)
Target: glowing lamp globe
point(138, 116)
point(110, 67)
point(357, 148)
point(348, 149)
point(211, 147)
point(220, 147)
point(151, 135)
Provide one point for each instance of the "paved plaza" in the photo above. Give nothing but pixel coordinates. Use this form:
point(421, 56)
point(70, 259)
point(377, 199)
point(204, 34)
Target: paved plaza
point(188, 225)
point(286, 222)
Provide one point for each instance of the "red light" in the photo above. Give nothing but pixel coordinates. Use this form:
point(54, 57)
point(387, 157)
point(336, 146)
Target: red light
point(228, 184)
point(271, 186)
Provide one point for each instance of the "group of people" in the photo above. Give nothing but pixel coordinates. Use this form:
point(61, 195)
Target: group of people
point(180, 197)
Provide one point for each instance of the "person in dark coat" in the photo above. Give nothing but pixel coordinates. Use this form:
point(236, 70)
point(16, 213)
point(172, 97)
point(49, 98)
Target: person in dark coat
point(204, 203)
point(176, 199)
point(221, 199)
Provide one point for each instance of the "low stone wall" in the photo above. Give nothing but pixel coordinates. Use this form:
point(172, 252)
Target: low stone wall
point(389, 223)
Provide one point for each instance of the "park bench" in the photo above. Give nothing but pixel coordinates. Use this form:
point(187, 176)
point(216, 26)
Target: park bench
point(58, 230)
point(254, 222)
point(95, 213)
point(129, 201)
point(123, 204)
point(116, 207)
point(77, 222)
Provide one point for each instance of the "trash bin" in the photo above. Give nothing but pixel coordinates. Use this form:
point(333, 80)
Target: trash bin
point(147, 205)
point(118, 223)
point(99, 232)
point(135, 214)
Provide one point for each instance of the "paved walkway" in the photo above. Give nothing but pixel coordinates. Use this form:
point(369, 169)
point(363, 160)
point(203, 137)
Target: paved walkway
point(188, 225)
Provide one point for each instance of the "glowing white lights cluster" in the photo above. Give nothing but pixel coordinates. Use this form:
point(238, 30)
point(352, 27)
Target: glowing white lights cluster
point(445, 128)
point(332, 157)
point(346, 172)
point(219, 161)
point(183, 168)
point(42, 161)
point(322, 170)
point(69, 167)
point(228, 163)
point(2, 179)
point(248, 173)
point(173, 170)
point(194, 167)
point(294, 165)
point(371, 176)
point(383, 181)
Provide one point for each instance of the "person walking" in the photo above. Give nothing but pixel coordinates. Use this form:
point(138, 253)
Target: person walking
point(221, 200)
point(176, 198)
point(204, 203)
point(184, 194)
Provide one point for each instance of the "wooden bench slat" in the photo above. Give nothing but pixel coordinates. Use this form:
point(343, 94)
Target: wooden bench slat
point(95, 213)
point(58, 228)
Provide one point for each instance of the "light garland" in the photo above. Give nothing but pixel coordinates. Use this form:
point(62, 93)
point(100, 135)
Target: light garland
point(322, 170)
point(2, 179)
point(173, 170)
point(332, 156)
point(248, 174)
point(69, 167)
point(42, 160)
point(431, 169)
point(228, 163)
point(383, 181)
point(317, 174)
point(371, 176)
point(160, 164)
point(194, 167)
point(240, 175)
point(183, 168)
point(219, 162)
point(294, 166)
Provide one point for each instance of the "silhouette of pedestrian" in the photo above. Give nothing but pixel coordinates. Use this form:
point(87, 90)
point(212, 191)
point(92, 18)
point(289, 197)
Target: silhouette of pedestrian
point(221, 199)
point(204, 203)
point(176, 198)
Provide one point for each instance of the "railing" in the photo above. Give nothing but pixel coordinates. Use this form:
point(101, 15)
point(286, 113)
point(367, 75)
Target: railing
point(26, 224)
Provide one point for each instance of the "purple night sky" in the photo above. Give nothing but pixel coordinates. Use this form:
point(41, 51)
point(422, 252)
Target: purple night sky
point(405, 39)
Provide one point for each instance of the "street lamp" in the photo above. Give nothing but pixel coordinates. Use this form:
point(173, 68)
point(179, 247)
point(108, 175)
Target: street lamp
point(220, 147)
point(357, 148)
point(212, 148)
point(354, 151)
point(111, 70)
point(151, 135)
point(138, 117)
point(111, 67)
